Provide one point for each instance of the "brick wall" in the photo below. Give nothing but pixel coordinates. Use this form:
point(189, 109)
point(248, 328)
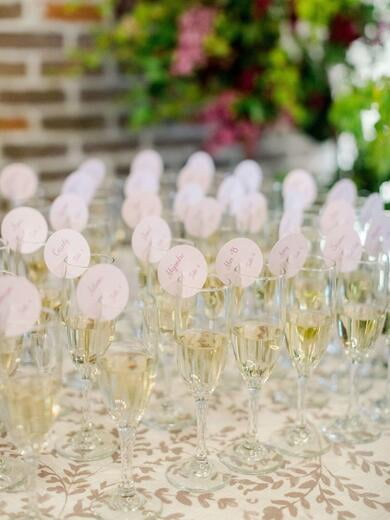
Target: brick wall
point(51, 117)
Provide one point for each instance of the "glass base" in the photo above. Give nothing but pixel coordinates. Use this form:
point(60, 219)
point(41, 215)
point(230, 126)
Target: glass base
point(118, 506)
point(300, 441)
point(167, 416)
point(351, 430)
point(82, 447)
point(379, 412)
point(251, 459)
point(12, 473)
point(195, 477)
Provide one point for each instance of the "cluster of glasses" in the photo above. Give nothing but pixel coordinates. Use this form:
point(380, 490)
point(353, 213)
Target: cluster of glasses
point(252, 325)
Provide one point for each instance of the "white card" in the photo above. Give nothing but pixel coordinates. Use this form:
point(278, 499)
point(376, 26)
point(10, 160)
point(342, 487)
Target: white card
point(185, 198)
point(182, 271)
point(288, 255)
point(149, 162)
point(191, 174)
point(230, 194)
point(95, 169)
point(291, 222)
point(68, 211)
point(378, 235)
point(151, 239)
point(67, 254)
point(139, 181)
point(301, 184)
point(250, 174)
point(80, 184)
point(344, 189)
point(203, 219)
point(102, 292)
point(372, 207)
point(20, 305)
point(140, 204)
point(18, 182)
point(239, 262)
point(252, 213)
point(24, 229)
point(202, 161)
point(344, 248)
point(336, 214)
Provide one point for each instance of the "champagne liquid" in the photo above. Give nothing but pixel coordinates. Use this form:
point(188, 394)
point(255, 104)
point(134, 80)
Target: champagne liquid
point(359, 326)
point(10, 349)
point(256, 348)
point(201, 358)
point(51, 298)
point(126, 381)
point(308, 334)
point(36, 269)
point(30, 408)
point(88, 339)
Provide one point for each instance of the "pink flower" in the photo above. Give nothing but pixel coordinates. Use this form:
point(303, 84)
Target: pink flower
point(194, 26)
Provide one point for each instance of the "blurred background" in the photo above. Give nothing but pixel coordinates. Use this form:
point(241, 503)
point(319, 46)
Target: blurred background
point(292, 83)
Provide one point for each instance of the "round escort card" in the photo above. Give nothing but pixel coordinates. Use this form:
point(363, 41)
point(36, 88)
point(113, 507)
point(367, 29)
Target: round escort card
point(151, 239)
point(203, 218)
point(252, 213)
point(68, 211)
point(191, 174)
point(138, 205)
point(336, 214)
point(288, 255)
point(345, 189)
point(299, 184)
point(250, 174)
point(139, 181)
point(230, 194)
point(291, 222)
point(344, 248)
point(80, 184)
point(18, 182)
point(182, 271)
point(95, 169)
point(185, 198)
point(149, 162)
point(378, 235)
point(372, 207)
point(202, 161)
point(24, 229)
point(239, 261)
point(67, 254)
point(20, 305)
point(102, 292)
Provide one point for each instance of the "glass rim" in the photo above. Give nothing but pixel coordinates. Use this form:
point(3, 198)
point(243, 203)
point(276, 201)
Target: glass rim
point(325, 268)
point(209, 289)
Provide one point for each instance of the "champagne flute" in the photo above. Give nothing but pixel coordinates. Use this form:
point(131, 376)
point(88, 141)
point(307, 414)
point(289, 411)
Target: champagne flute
point(88, 339)
point(29, 404)
point(362, 298)
point(310, 315)
point(126, 375)
point(202, 343)
point(257, 335)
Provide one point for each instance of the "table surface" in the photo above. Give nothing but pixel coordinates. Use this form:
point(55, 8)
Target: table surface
point(345, 483)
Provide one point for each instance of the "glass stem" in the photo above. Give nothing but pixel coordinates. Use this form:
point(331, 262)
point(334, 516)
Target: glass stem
point(353, 404)
point(201, 414)
point(167, 380)
point(86, 404)
point(127, 440)
point(253, 415)
point(32, 461)
point(301, 400)
point(387, 385)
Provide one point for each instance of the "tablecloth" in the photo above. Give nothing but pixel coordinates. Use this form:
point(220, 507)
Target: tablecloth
point(345, 483)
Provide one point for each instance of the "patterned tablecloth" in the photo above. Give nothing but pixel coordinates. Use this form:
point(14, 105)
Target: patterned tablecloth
point(345, 483)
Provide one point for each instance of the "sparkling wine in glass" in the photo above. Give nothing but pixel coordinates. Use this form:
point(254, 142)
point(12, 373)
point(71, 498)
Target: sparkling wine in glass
point(126, 376)
point(362, 299)
point(310, 313)
point(202, 344)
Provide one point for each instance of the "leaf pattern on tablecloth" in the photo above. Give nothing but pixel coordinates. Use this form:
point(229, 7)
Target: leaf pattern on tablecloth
point(345, 484)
